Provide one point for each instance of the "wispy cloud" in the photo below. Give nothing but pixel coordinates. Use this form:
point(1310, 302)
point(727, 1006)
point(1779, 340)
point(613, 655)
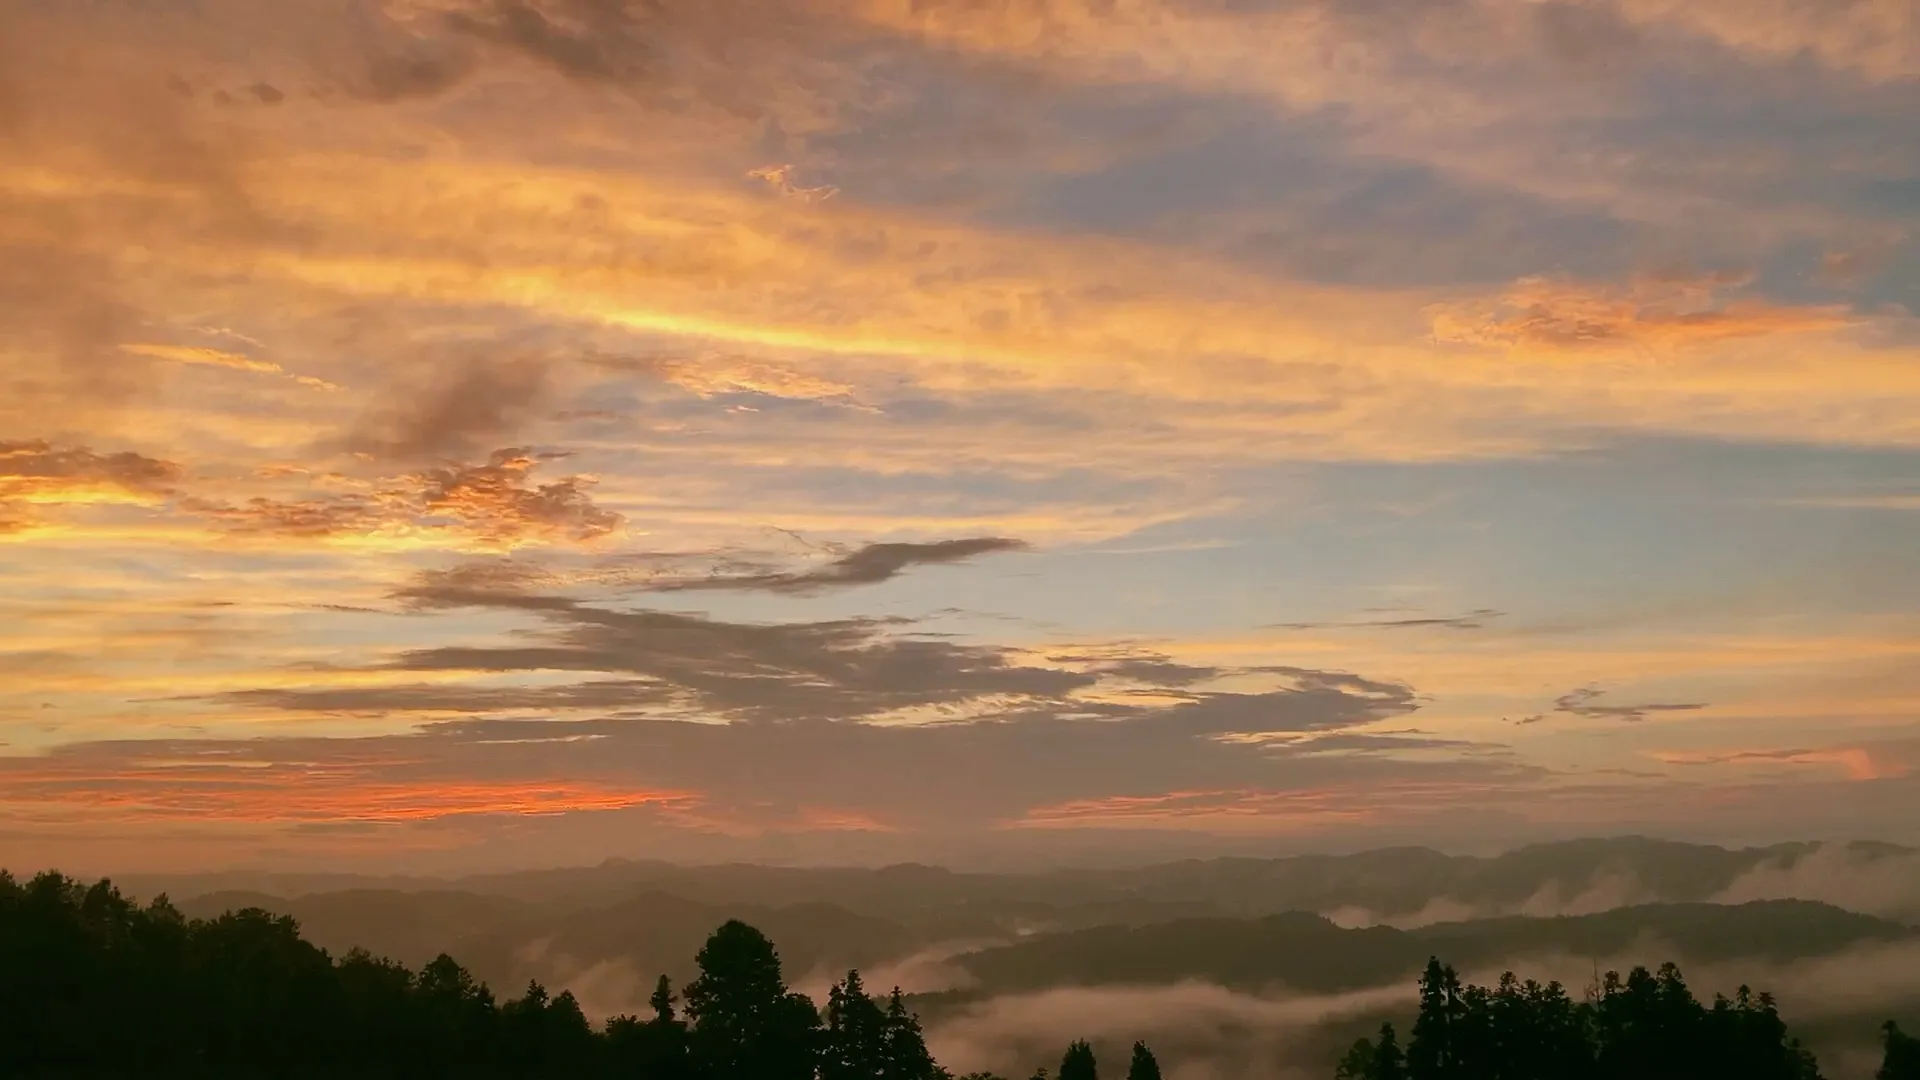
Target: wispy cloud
point(1652, 312)
point(1585, 704)
point(1472, 620)
point(1856, 762)
point(868, 565)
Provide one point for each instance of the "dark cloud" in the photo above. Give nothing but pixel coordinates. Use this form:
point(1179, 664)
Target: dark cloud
point(482, 583)
point(602, 695)
point(463, 409)
point(1581, 703)
point(599, 40)
point(844, 669)
point(1139, 666)
point(797, 704)
point(1585, 37)
point(417, 74)
point(866, 668)
point(1472, 620)
point(868, 565)
point(1285, 711)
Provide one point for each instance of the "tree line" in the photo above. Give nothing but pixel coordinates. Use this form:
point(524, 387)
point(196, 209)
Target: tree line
point(1646, 1026)
point(94, 984)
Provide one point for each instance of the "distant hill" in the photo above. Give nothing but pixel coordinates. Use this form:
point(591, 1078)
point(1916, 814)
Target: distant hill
point(1308, 953)
point(1401, 886)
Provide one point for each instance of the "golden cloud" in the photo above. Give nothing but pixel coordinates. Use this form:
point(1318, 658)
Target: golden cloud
point(36, 471)
point(1661, 312)
point(206, 356)
point(493, 506)
point(260, 792)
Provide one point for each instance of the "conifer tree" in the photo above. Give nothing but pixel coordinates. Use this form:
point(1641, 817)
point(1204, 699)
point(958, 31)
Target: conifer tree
point(661, 1002)
point(1078, 1063)
point(856, 1035)
point(906, 1054)
point(1902, 1055)
point(1144, 1066)
point(1439, 1031)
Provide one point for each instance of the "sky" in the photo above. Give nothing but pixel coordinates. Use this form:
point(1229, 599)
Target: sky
point(473, 434)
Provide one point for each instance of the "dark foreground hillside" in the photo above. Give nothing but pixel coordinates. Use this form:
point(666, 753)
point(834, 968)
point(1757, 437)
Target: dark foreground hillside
point(95, 985)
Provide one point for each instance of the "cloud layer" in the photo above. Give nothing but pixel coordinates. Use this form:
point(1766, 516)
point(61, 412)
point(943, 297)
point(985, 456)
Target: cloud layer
point(1065, 419)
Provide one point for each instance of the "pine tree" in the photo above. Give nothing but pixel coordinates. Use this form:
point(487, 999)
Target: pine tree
point(856, 1035)
point(1143, 1066)
point(656, 1049)
point(1357, 1063)
point(905, 1045)
point(1078, 1064)
point(662, 1001)
point(1389, 1063)
point(1370, 1060)
point(1902, 1060)
point(1439, 1031)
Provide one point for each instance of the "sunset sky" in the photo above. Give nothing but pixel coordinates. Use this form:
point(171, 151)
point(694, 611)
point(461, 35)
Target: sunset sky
point(457, 434)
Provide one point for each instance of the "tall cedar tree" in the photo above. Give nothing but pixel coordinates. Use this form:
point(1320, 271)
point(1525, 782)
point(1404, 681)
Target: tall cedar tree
point(856, 1035)
point(906, 1054)
point(1078, 1063)
point(1902, 1060)
point(1144, 1065)
point(1646, 1026)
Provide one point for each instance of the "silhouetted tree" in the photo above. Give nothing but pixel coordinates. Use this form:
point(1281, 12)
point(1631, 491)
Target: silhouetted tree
point(1368, 1059)
point(1440, 1038)
point(856, 1036)
point(1645, 1025)
point(1144, 1065)
point(1902, 1055)
point(906, 1054)
point(655, 1049)
point(1078, 1063)
point(745, 1023)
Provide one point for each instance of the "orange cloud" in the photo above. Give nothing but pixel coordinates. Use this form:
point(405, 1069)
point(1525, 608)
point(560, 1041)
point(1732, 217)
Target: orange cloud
point(238, 791)
point(490, 506)
point(708, 376)
point(1653, 311)
point(1278, 811)
point(35, 471)
point(1857, 763)
point(831, 819)
point(780, 178)
point(204, 356)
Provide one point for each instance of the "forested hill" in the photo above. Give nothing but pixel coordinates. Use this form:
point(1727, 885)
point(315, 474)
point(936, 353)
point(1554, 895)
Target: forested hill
point(1387, 884)
point(93, 984)
point(1309, 953)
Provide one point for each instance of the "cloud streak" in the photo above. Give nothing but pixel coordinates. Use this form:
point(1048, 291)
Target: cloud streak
point(1584, 704)
point(869, 565)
